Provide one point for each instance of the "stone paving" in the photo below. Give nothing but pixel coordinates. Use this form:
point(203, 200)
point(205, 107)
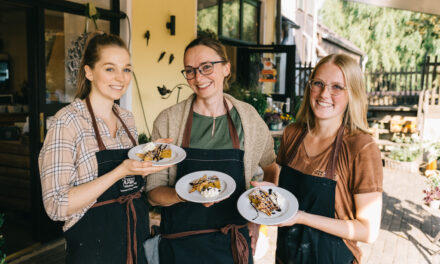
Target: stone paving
point(408, 226)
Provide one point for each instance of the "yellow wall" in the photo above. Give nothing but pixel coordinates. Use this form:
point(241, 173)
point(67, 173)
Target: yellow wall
point(152, 15)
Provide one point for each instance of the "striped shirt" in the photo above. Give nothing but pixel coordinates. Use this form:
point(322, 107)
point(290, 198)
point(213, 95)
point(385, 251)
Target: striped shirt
point(68, 159)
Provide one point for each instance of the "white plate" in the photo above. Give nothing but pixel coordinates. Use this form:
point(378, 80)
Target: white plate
point(183, 187)
point(288, 205)
point(177, 154)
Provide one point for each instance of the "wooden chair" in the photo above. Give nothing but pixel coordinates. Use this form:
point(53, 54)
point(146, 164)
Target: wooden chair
point(428, 113)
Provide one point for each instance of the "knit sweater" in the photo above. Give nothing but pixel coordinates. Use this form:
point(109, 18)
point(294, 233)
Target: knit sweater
point(258, 142)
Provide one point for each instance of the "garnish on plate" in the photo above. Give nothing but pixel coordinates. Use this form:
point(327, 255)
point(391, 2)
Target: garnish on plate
point(265, 201)
point(207, 186)
point(155, 152)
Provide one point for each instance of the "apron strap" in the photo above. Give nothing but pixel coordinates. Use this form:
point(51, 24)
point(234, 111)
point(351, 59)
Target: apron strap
point(125, 127)
point(331, 164)
point(129, 207)
point(232, 130)
point(239, 245)
point(296, 145)
point(95, 126)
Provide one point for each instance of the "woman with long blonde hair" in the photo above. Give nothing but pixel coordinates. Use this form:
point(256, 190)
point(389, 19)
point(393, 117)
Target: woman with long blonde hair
point(333, 166)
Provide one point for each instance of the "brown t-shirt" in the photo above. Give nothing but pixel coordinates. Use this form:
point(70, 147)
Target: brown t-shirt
point(358, 170)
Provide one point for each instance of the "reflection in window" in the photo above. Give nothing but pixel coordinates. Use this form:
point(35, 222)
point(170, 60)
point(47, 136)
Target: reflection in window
point(62, 53)
point(231, 19)
point(250, 22)
point(207, 15)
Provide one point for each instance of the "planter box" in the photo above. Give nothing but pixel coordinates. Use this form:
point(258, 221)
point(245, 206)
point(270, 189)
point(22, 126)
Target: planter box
point(412, 166)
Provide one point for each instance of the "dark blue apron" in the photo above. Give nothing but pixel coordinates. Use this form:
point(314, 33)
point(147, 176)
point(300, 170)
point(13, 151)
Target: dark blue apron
point(316, 195)
point(112, 231)
point(192, 233)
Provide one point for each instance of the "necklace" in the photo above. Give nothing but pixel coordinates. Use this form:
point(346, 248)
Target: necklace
point(213, 120)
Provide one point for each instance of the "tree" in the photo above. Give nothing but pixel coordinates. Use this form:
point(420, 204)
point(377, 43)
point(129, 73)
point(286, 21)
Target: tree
point(391, 38)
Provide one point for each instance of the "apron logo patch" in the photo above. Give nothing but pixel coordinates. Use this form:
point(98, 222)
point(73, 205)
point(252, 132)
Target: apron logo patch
point(129, 183)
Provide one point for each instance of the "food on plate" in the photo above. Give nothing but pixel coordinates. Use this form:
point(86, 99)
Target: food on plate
point(265, 201)
point(155, 152)
point(207, 186)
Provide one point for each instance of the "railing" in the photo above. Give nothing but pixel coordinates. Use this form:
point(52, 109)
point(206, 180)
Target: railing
point(395, 87)
point(398, 87)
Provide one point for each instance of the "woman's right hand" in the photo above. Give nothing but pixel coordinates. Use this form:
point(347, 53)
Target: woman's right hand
point(143, 168)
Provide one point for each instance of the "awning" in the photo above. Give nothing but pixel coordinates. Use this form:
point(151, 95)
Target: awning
point(424, 6)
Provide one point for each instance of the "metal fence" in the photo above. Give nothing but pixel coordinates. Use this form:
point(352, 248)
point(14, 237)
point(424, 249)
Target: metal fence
point(398, 87)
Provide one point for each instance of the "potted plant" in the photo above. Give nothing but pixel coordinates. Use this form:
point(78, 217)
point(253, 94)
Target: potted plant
point(249, 95)
point(432, 193)
point(273, 120)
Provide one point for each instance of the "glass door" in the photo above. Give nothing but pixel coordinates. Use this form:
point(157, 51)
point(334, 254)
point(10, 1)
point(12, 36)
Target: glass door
point(269, 69)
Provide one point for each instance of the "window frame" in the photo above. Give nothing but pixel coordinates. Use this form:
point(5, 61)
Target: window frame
point(255, 3)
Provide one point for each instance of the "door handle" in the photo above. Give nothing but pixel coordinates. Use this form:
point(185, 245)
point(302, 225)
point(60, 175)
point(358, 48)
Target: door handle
point(41, 127)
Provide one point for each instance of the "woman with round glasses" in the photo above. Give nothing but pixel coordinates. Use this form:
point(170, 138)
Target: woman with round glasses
point(218, 133)
point(333, 166)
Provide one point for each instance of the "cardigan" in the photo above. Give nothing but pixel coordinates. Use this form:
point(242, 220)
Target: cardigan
point(258, 142)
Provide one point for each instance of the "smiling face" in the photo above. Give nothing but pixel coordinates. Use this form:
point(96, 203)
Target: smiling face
point(324, 105)
point(111, 74)
point(206, 86)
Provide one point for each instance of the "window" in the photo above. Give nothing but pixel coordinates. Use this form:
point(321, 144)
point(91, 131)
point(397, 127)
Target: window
point(230, 19)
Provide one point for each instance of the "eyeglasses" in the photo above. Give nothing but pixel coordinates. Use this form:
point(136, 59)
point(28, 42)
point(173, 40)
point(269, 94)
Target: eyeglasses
point(319, 86)
point(206, 69)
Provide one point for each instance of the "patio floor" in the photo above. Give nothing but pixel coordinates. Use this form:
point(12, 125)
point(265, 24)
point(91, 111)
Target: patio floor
point(406, 236)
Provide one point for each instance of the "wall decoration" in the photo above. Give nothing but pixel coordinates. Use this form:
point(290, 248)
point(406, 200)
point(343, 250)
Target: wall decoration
point(147, 36)
point(161, 56)
point(171, 58)
point(73, 59)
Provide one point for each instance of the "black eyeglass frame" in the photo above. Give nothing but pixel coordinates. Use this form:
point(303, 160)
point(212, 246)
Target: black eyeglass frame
point(198, 69)
point(344, 88)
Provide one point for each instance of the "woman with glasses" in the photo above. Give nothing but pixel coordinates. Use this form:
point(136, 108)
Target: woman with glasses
point(333, 166)
point(218, 133)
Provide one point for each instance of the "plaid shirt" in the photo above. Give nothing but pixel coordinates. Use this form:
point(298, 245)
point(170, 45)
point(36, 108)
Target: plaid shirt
point(68, 159)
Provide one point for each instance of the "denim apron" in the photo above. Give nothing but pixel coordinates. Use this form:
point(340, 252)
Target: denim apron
point(112, 231)
point(316, 195)
point(192, 233)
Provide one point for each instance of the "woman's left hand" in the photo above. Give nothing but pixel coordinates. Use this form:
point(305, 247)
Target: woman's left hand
point(296, 219)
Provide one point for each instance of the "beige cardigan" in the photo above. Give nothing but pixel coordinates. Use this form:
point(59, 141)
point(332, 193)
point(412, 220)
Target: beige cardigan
point(258, 142)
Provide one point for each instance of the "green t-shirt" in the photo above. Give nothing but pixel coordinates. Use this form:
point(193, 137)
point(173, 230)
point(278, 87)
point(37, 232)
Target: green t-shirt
point(201, 132)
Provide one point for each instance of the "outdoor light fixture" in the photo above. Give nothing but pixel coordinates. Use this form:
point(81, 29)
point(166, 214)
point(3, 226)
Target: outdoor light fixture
point(172, 25)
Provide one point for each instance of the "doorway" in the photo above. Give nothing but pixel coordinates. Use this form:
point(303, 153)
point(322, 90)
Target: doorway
point(15, 175)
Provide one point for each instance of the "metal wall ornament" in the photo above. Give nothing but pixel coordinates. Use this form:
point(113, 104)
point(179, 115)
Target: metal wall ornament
point(171, 58)
point(147, 36)
point(161, 56)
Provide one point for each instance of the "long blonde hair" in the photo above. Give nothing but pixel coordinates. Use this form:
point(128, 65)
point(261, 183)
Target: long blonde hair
point(355, 116)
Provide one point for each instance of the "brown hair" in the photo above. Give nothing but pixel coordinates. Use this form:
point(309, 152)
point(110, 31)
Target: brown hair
point(95, 42)
point(217, 46)
point(355, 116)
